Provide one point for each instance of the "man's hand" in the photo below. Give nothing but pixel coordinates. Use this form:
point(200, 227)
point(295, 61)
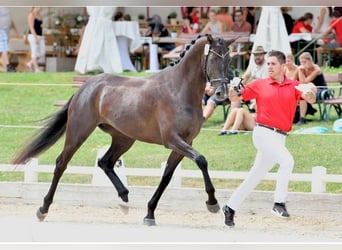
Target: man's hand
point(233, 94)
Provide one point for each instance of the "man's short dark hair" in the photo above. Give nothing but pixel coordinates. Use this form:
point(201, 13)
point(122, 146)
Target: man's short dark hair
point(279, 55)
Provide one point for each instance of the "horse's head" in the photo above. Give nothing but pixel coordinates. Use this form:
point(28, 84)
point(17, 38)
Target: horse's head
point(216, 64)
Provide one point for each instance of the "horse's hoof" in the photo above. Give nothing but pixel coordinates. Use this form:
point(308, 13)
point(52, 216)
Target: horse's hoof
point(124, 197)
point(149, 222)
point(213, 208)
point(41, 216)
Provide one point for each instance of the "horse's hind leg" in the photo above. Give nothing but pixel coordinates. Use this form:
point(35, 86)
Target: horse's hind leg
point(76, 134)
point(172, 162)
point(120, 144)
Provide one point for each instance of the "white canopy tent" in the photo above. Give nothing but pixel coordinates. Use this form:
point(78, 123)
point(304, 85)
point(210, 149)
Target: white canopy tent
point(271, 32)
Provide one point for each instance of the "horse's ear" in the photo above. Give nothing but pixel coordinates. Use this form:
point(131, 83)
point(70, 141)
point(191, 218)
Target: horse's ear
point(210, 38)
point(230, 41)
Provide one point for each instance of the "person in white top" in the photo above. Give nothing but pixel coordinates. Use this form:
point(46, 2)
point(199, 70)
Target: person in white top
point(323, 20)
point(99, 49)
point(6, 24)
point(214, 25)
point(257, 67)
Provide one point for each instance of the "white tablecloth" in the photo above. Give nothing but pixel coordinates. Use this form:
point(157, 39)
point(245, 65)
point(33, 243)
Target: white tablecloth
point(303, 36)
point(128, 38)
point(129, 30)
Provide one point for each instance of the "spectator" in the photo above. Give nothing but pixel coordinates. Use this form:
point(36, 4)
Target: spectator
point(287, 19)
point(157, 29)
point(257, 68)
point(249, 16)
point(99, 50)
point(277, 99)
point(240, 119)
point(239, 25)
point(303, 25)
point(36, 39)
point(213, 25)
point(334, 27)
point(187, 26)
point(225, 18)
point(291, 69)
point(6, 24)
point(323, 20)
point(193, 13)
point(308, 72)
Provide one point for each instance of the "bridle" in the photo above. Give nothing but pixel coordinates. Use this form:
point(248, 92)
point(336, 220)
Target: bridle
point(222, 91)
point(207, 51)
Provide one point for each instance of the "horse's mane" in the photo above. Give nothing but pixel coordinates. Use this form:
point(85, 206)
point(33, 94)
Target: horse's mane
point(187, 47)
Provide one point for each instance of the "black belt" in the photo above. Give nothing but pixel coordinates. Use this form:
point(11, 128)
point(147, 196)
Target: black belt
point(274, 129)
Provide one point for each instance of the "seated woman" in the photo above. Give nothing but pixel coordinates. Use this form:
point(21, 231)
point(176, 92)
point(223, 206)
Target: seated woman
point(188, 27)
point(240, 119)
point(213, 25)
point(291, 69)
point(309, 72)
point(303, 25)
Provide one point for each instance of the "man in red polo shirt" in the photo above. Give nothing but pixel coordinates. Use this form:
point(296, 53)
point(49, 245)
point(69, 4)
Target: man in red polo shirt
point(276, 98)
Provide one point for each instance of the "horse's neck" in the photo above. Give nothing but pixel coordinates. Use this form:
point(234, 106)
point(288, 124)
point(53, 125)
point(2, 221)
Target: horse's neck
point(191, 66)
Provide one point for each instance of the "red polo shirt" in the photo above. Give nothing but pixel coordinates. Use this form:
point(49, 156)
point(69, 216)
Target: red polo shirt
point(276, 103)
point(299, 25)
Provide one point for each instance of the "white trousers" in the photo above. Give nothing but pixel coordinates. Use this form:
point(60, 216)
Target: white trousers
point(271, 150)
point(37, 49)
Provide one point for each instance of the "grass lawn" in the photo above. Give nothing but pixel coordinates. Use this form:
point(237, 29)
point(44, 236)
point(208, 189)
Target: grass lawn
point(25, 105)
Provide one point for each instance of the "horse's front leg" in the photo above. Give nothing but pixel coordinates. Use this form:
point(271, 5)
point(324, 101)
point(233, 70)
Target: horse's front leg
point(211, 203)
point(172, 163)
point(187, 150)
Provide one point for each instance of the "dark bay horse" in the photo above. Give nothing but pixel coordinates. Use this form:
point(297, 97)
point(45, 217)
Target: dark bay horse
point(163, 109)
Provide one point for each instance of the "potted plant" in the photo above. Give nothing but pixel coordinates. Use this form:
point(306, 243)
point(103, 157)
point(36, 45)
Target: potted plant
point(173, 18)
point(141, 17)
point(174, 32)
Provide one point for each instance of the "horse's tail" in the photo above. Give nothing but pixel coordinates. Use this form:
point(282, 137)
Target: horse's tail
point(54, 128)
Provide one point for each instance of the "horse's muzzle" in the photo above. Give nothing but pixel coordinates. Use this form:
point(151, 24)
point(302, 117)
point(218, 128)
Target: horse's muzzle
point(221, 92)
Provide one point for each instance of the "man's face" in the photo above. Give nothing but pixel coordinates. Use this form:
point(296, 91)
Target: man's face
point(274, 67)
point(238, 17)
point(259, 59)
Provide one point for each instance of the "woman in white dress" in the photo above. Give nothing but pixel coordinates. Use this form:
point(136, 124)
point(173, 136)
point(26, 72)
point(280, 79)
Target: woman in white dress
point(99, 50)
